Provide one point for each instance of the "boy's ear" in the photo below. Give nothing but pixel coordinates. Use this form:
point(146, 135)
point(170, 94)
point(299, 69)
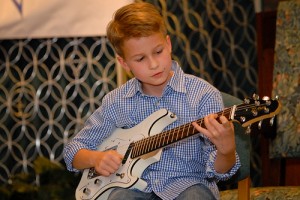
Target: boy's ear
point(123, 63)
point(169, 43)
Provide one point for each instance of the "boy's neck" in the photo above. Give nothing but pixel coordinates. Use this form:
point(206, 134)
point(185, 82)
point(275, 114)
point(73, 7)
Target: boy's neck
point(153, 90)
point(156, 90)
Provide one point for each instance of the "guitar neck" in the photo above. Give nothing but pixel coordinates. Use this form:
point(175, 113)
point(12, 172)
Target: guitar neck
point(169, 137)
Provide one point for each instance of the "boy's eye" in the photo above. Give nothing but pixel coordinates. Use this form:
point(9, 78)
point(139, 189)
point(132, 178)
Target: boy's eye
point(139, 59)
point(159, 51)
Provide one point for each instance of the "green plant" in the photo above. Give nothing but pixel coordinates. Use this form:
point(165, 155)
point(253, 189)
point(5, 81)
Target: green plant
point(55, 183)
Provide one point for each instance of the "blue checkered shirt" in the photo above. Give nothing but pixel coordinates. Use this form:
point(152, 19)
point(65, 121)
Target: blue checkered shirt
point(181, 165)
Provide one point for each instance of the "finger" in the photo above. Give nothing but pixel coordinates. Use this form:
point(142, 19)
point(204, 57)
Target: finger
point(202, 130)
point(225, 122)
point(212, 125)
point(104, 172)
point(199, 128)
point(109, 167)
point(102, 169)
point(110, 162)
point(115, 156)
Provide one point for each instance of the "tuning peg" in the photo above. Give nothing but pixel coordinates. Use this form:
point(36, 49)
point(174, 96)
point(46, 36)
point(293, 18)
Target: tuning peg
point(246, 101)
point(259, 124)
point(257, 103)
point(248, 130)
point(266, 98)
point(255, 96)
point(266, 110)
point(277, 97)
point(254, 112)
point(272, 121)
point(243, 119)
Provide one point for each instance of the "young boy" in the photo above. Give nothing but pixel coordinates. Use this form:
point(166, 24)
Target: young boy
point(188, 169)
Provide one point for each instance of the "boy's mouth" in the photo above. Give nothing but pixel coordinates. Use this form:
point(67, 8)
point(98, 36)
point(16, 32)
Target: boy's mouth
point(157, 74)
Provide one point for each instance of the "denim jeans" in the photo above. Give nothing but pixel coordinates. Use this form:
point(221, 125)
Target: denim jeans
point(195, 192)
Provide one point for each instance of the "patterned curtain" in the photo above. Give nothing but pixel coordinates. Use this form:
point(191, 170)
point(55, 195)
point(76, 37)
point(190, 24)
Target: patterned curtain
point(286, 79)
point(48, 88)
point(215, 40)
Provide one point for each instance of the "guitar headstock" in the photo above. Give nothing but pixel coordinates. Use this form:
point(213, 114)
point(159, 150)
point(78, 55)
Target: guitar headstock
point(256, 110)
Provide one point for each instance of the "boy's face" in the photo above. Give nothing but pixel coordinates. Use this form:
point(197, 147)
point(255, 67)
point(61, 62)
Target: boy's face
point(149, 59)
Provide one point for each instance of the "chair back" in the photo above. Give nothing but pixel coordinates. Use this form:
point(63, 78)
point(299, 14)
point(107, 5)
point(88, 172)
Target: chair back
point(242, 141)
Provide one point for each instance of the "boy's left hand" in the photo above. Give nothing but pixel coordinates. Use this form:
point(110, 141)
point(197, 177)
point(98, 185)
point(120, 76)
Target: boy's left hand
point(220, 134)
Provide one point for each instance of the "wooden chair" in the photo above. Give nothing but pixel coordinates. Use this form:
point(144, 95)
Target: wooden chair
point(242, 177)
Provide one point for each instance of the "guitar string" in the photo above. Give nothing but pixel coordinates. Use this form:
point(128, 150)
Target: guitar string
point(139, 144)
point(152, 139)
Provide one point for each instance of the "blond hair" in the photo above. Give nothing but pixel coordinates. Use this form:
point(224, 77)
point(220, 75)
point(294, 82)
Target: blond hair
point(134, 21)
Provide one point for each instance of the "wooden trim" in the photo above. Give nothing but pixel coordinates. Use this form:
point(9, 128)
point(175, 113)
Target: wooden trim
point(244, 189)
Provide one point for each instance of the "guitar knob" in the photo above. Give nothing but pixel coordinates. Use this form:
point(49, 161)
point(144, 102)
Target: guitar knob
point(87, 191)
point(98, 182)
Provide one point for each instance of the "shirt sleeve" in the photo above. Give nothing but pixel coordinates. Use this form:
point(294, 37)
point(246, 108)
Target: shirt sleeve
point(213, 104)
point(212, 173)
point(98, 127)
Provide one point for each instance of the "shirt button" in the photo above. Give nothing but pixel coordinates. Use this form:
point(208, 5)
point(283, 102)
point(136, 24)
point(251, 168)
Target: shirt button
point(156, 181)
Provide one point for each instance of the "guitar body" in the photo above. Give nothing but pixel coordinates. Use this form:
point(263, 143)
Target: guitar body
point(93, 186)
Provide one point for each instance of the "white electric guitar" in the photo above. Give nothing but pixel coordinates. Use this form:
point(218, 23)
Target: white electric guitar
point(142, 145)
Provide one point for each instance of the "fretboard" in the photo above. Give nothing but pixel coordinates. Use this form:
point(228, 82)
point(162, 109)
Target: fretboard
point(169, 137)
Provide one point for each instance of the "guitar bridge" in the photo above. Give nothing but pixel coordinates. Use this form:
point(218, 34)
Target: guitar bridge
point(92, 173)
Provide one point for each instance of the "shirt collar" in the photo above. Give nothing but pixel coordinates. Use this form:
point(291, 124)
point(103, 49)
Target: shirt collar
point(177, 82)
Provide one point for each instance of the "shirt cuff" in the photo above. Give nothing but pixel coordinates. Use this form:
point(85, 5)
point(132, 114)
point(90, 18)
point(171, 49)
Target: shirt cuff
point(69, 154)
point(212, 173)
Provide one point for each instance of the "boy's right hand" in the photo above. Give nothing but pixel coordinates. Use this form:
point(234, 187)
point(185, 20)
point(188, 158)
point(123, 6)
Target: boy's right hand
point(107, 162)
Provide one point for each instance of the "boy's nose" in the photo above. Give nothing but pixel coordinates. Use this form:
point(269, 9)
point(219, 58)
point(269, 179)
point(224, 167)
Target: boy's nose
point(153, 63)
